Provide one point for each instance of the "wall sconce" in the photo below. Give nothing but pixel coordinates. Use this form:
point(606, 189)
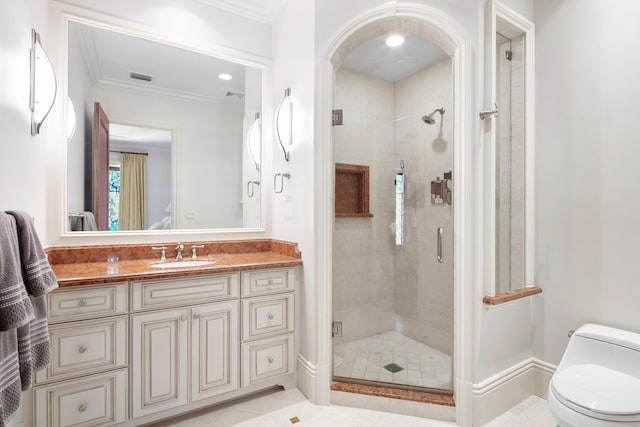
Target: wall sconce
point(71, 119)
point(253, 141)
point(43, 84)
point(284, 122)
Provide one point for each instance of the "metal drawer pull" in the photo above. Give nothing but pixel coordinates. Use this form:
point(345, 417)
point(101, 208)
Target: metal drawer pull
point(82, 407)
point(270, 316)
point(270, 359)
point(82, 349)
point(82, 302)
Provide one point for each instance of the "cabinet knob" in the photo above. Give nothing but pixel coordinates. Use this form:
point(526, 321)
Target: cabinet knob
point(196, 316)
point(82, 349)
point(270, 281)
point(82, 302)
point(183, 318)
point(270, 359)
point(270, 316)
point(82, 407)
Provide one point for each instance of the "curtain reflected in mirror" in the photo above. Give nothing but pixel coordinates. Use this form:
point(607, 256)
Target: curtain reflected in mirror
point(133, 186)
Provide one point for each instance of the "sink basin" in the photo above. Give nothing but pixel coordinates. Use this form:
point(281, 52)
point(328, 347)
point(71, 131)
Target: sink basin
point(179, 264)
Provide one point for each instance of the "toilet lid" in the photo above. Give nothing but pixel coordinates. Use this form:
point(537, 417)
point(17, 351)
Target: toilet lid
point(598, 390)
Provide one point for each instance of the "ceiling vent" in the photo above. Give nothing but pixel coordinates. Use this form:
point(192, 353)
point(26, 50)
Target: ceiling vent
point(240, 95)
point(140, 76)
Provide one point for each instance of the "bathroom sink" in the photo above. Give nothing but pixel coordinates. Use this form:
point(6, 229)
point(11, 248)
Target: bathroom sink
point(180, 264)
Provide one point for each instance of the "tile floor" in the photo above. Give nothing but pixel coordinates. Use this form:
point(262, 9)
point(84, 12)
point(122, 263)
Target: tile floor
point(365, 359)
point(277, 409)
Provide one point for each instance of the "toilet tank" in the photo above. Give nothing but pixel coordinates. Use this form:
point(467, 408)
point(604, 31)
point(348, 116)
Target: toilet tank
point(606, 346)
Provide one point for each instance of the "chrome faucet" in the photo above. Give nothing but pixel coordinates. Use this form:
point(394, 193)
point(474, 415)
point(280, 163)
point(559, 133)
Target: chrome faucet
point(179, 248)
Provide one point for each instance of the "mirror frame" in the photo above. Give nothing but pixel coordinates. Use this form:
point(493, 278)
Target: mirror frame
point(495, 11)
point(56, 189)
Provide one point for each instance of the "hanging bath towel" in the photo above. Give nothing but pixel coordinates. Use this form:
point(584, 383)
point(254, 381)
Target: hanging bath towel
point(38, 276)
point(15, 307)
point(34, 349)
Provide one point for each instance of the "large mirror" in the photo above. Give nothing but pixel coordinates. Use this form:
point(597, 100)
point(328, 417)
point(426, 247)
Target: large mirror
point(162, 136)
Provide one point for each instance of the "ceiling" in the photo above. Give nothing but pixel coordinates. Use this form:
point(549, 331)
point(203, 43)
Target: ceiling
point(112, 56)
point(393, 64)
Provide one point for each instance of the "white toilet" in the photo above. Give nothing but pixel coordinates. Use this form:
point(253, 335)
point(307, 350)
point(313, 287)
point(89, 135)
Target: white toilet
point(597, 383)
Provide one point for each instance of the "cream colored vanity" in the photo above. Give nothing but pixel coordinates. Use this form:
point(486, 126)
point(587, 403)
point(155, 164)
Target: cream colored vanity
point(139, 351)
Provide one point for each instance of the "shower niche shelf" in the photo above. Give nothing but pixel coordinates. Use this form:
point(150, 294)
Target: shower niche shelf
point(352, 191)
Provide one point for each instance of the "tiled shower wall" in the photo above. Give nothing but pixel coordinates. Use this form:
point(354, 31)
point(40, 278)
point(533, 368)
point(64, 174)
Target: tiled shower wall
point(378, 286)
point(423, 292)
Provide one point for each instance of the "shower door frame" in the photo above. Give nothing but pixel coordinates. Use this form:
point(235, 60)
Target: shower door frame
point(466, 259)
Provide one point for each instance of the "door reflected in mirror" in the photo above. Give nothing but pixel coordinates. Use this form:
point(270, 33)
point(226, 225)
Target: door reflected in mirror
point(187, 126)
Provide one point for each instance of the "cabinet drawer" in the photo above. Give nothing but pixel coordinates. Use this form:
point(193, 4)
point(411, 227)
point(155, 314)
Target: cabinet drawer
point(263, 282)
point(150, 294)
point(86, 347)
point(267, 316)
point(87, 302)
point(99, 400)
point(264, 359)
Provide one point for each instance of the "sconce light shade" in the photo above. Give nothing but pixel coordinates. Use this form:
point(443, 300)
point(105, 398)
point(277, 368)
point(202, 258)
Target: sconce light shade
point(284, 123)
point(71, 119)
point(254, 141)
point(43, 84)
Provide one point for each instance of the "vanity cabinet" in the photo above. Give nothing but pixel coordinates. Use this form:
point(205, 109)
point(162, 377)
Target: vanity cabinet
point(86, 382)
point(268, 321)
point(150, 349)
point(165, 340)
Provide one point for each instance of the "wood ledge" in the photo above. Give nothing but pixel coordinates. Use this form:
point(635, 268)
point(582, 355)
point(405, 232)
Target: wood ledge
point(511, 296)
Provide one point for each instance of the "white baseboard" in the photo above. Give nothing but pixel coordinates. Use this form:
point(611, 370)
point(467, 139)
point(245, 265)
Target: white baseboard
point(502, 391)
point(306, 376)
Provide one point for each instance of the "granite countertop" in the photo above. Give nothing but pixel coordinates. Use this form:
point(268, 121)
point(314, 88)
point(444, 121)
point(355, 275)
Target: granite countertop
point(92, 272)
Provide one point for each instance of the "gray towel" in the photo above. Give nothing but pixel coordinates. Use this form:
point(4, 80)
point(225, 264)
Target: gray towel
point(10, 388)
point(84, 221)
point(34, 349)
point(15, 307)
point(38, 276)
point(88, 222)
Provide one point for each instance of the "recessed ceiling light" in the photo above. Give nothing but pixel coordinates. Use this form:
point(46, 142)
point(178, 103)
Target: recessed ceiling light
point(395, 40)
point(224, 76)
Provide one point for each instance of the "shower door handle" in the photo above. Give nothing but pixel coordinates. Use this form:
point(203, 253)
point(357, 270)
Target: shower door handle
point(439, 255)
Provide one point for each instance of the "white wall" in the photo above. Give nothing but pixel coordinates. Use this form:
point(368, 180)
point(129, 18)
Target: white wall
point(22, 164)
point(193, 22)
point(293, 210)
point(587, 127)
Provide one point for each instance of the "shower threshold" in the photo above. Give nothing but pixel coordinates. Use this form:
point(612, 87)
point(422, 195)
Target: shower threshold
point(393, 391)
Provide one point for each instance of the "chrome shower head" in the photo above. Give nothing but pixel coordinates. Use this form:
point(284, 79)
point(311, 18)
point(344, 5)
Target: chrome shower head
point(429, 119)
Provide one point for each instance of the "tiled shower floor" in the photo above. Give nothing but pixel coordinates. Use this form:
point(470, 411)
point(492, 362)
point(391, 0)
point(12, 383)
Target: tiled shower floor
point(364, 359)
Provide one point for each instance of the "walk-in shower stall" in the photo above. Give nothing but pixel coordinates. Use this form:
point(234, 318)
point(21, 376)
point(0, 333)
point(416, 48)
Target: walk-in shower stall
point(393, 265)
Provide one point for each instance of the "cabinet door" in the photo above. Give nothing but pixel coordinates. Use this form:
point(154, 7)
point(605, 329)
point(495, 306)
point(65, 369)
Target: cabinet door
point(159, 361)
point(214, 351)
